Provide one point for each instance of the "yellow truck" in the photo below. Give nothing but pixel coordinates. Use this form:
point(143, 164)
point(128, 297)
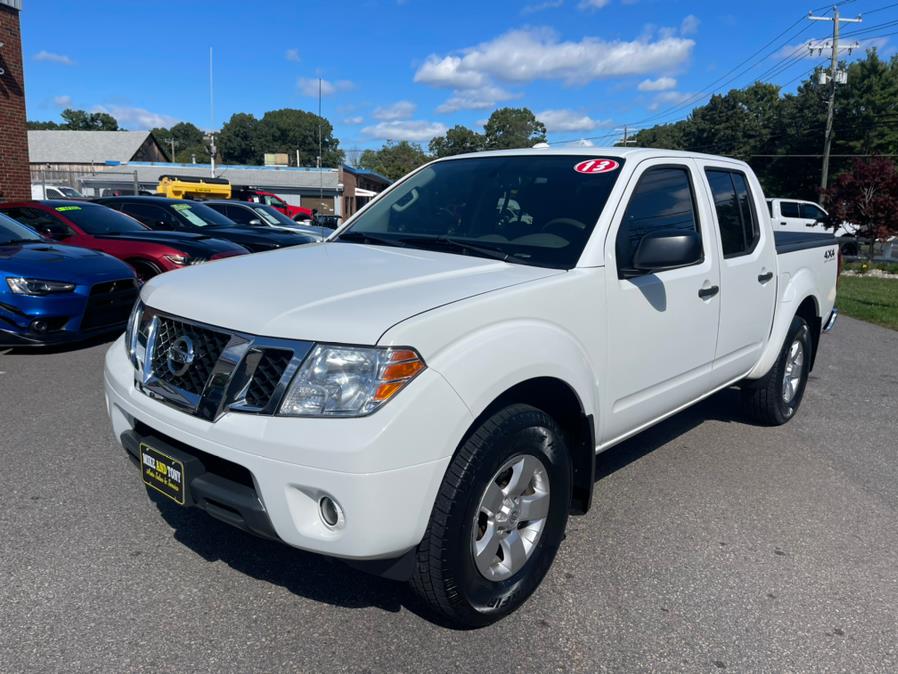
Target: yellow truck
point(192, 187)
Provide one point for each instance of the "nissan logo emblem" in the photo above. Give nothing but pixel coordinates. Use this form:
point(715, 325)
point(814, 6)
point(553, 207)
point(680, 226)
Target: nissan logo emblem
point(180, 356)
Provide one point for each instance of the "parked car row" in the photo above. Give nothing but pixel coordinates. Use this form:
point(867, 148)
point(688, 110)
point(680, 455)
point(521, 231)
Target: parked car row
point(71, 268)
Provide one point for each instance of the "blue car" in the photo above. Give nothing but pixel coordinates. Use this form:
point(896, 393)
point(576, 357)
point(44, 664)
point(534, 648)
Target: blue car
point(53, 294)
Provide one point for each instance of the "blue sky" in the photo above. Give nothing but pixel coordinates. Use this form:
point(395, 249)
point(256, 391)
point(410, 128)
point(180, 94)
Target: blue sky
point(409, 69)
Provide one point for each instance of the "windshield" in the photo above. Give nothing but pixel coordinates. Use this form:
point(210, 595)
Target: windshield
point(98, 220)
point(200, 215)
point(272, 216)
point(528, 209)
point(12, 232)
point(69, 192)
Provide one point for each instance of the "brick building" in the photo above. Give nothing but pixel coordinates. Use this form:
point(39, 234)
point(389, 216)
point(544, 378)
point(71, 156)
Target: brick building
point(15, 178)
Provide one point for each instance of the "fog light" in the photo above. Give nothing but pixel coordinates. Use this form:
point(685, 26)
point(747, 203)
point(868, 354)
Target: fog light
point(40, 326)
point(331, 513)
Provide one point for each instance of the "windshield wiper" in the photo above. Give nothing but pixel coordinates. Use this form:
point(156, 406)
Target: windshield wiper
point(494, 253)
point(364, 237)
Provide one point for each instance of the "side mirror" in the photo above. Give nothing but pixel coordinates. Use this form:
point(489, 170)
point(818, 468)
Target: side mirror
point(255, 222)
point(667, 249)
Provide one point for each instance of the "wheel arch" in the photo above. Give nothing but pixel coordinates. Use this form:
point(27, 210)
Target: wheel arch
point(559, 400)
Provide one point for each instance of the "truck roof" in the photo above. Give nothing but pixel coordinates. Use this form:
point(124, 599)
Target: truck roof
point(629, 153)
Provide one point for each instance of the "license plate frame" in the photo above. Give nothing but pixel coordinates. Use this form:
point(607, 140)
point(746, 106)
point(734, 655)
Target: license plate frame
point(170, 482)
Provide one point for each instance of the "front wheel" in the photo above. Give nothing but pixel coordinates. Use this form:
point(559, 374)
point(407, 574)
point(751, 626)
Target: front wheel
point(498, 519)
point(774, 398)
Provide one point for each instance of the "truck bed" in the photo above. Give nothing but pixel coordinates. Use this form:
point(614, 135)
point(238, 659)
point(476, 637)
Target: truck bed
point(789, 242)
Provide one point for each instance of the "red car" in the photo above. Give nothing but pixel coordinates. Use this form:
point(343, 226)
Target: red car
point(273, 200)
point(89, 225)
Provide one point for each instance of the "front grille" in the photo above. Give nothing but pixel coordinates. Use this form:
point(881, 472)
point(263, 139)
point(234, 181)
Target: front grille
point(267, 375)
point(109, 303)
point(207, 347)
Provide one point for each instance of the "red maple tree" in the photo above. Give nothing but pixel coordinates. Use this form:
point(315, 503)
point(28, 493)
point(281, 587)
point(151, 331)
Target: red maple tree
point(867, 195)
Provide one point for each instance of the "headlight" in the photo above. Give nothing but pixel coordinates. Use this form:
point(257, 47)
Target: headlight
point(33, 286)
point(344, 381)
point(131, 334)
point(184, 260)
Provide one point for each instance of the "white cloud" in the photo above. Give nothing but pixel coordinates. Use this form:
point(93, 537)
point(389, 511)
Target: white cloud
point(591, 4)
point(63, 101)
point(309, 86)
point(397, 110)
point(133, 118)
point(661, 84)
point(481, 98)
point(51, 57)
point(670, 98)
point(541, 6)
point(583, 142)
point(354, 121)
point(292, 55)
point(689, 25)
point(567, 120)
point(527, 55)
point(412, 130)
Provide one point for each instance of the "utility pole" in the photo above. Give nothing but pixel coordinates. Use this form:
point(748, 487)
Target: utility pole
point(212, 149)
point(173, 144)
point(320, 173)
point(627, 140)
point(835, 78)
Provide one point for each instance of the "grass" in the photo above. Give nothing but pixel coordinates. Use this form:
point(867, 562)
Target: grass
point(890, 267)
point(869, 299)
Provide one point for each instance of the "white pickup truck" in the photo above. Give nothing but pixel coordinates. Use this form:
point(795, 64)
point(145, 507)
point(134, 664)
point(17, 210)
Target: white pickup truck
point(424, 393)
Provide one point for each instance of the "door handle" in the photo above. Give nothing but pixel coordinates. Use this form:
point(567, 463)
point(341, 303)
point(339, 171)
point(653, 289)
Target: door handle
point(784, 223)
point(705, 293)
point(763, 278)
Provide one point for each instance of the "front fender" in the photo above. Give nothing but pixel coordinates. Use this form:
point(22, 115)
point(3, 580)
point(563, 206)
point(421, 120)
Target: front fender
point(491, 360)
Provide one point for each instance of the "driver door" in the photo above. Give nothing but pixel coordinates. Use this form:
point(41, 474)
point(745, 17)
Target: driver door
point(662, 326)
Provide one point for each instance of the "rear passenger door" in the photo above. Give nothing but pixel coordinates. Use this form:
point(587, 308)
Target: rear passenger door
point(662, 326)
point(747, 273)
point(790, 219)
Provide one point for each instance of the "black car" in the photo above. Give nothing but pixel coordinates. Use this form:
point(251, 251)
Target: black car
point(182, 215)
point(262, 215)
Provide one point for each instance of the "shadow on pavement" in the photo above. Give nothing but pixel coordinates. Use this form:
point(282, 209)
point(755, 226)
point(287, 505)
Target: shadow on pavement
point(332, 582)
point(61, 348)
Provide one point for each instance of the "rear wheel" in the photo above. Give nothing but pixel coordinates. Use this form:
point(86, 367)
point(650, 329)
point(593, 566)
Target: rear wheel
point(774, 398)
point(498, 519)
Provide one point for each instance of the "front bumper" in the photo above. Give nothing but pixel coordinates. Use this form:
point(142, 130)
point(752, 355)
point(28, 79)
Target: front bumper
point(383, 470)
point(831, 321)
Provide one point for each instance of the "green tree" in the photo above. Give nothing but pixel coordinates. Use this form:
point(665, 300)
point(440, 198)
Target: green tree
point(289, 130)
point(190, 142)
point(35, 125)
point(393, 160)
point(509, 128)
point(238, 140)
point(458, 140)
point(79, 120)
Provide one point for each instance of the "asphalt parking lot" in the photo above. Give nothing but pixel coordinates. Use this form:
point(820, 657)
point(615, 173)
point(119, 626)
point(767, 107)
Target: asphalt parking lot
point(711, 545)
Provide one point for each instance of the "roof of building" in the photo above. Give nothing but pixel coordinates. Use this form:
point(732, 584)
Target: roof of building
point(365, 172)
point(84, 147)
point(265, 177)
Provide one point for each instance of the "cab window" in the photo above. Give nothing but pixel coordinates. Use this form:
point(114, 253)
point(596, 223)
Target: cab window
point(733, 203)
point(663, 200)
point(789, 209)
point(811, 212)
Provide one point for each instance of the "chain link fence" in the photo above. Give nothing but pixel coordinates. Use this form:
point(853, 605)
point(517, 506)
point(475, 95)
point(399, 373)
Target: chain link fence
point(52, 183)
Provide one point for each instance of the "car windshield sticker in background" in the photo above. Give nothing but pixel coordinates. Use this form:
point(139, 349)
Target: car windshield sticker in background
point(593, 166)
point(62, 209)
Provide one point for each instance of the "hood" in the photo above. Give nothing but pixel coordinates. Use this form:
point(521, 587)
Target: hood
point(200, 245)
point(264, 236)
point(55, 262)
point(332, 291)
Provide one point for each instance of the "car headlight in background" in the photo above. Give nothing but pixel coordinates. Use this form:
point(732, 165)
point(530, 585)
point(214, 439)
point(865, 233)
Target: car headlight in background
point(32, 286)
point(184, 260)
point(346, 381)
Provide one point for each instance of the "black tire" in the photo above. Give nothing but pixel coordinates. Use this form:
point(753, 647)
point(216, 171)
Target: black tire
point(145, 270)
point(446, 575)
point(764, 399)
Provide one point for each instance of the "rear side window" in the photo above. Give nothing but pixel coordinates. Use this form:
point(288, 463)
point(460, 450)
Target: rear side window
point(739, 232)
point(789, 209)
point(149, 214)
point(663, 200)
point(811, 212)
point(39, 221)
